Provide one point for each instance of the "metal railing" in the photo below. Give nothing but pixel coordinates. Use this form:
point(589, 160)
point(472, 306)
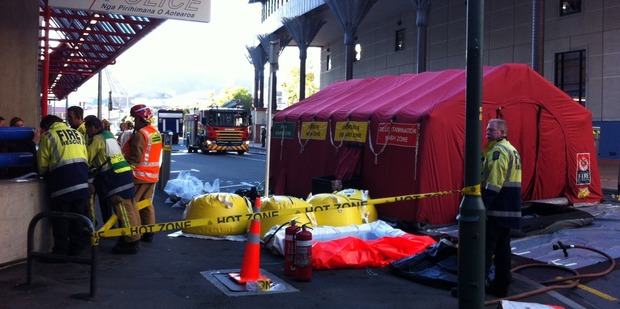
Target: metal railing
point(32, 254)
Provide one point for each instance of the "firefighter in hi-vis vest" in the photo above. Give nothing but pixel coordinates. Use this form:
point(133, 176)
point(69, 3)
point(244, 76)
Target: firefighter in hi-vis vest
point(113, 181)
point(63, 162)
point(501, 195)
point(143, 152)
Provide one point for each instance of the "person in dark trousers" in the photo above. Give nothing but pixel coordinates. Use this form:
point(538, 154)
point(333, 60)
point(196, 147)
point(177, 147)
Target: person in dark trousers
point(263, 136)
point(63, 162)
point(113, 181)
point(501, 195)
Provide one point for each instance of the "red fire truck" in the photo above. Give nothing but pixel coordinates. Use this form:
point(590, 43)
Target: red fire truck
point(218, 129)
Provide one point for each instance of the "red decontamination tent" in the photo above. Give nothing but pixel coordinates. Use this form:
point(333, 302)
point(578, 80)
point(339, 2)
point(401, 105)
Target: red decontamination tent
point(401, 135)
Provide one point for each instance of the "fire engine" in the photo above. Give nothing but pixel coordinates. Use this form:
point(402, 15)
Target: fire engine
point(218, 129)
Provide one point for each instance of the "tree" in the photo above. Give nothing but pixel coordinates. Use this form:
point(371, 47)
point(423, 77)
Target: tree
point(237, 93)
point(290, 86)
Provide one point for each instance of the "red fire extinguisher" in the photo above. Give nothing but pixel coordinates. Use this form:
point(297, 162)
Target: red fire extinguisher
point(303, 255)
point(289, 248)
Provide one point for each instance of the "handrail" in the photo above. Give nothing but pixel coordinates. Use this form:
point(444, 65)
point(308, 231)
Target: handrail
point(31, 254)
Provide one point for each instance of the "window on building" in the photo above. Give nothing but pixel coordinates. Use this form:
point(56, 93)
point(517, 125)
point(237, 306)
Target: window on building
point(568, 7)
point(570, 69)
point(328, 62)
point(358, 52)
point(399, 40)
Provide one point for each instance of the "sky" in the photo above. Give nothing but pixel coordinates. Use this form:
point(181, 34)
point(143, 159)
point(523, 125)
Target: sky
point(181, 57)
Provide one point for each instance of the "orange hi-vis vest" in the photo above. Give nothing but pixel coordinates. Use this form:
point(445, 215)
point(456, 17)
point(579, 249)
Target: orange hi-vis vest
point(148, 168)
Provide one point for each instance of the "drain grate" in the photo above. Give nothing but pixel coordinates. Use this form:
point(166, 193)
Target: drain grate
point(222, 280)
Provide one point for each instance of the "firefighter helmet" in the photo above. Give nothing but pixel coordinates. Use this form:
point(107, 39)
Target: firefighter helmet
point(141, 111)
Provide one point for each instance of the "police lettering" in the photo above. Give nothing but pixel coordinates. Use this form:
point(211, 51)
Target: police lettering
point(189, 5)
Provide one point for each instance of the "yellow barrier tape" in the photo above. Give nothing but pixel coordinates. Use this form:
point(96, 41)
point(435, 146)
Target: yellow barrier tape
point(113, 219)
point(410, 197)
point(175, 225)
point(472, 190)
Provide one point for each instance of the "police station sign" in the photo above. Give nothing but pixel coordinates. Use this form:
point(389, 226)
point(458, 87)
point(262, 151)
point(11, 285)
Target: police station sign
point(192, 10)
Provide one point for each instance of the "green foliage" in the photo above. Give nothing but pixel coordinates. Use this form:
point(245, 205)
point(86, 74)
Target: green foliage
point(237, 93)
point(290, 87)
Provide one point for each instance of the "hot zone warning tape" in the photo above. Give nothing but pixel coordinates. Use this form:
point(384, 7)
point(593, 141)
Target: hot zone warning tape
point(175, 225)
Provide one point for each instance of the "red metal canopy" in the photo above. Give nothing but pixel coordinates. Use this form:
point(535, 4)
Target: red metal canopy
point(82, 43)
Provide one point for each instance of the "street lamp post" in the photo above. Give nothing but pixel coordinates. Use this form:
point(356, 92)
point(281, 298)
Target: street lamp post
point(274, 48)
point(471, 216)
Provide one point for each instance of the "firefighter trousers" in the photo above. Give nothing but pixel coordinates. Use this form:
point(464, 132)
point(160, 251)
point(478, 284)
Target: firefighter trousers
point(145, 191)
point(127, 213)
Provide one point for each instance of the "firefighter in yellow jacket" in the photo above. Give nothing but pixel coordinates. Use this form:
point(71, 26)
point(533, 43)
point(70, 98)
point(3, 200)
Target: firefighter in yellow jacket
point(113, 181)
point(63, 162)
point(143, 152)
point(501, 195)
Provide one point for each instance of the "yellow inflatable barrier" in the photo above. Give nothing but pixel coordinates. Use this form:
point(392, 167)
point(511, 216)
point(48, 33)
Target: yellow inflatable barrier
point(335, 217)
point(279, 202)
point(368, 212)
point(214, 205)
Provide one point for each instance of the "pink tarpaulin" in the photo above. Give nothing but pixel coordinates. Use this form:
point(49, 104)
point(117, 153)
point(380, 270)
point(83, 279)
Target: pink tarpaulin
point(552, 132)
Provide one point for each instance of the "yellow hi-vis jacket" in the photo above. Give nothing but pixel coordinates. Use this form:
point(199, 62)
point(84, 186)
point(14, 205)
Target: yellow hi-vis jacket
point(112, 173)
point(501, 183)
point(63, 161)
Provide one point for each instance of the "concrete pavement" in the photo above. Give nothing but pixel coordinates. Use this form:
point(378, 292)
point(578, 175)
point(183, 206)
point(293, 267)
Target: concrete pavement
point(178, 272)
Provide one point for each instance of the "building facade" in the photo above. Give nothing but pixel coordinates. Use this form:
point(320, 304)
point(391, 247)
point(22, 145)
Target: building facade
point(574, 44)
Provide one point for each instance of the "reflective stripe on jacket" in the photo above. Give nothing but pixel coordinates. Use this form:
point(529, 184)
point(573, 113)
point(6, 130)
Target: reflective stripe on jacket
point(501, 183)
point(62, 160)
point(112, 173)
point(146, 144)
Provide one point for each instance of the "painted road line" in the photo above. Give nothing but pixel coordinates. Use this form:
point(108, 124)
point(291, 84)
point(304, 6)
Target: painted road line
point(244, 184)
point(190, 170)
point(593, 291)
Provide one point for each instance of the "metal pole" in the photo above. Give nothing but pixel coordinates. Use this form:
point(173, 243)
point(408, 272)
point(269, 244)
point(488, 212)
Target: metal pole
point(538, 36)
point(472, 212)
point(45, 85)
point(274, 48)
point(99, 95)
point(109, 103)
point(164, 171)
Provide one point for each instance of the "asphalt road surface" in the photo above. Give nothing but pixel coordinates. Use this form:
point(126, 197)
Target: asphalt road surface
point(234, 171)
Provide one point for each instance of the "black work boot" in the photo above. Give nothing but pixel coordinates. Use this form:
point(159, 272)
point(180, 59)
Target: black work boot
point(497, 290)
point(126, 247)
point(147, 237)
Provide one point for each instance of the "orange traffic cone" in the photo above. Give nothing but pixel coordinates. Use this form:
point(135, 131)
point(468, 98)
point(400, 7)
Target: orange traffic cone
point(250, 269)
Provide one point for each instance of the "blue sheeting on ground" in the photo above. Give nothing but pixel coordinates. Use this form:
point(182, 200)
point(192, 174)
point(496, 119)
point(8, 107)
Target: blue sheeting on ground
point(540, 247)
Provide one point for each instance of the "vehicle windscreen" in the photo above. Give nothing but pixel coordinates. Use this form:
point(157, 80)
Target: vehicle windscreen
point(228, 119)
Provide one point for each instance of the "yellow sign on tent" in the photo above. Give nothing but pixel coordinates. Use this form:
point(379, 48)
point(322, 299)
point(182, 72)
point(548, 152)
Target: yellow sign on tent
point(314, 130)
point(351, 131)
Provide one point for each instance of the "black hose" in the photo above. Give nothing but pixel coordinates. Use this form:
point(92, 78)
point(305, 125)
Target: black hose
point(572, 281)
